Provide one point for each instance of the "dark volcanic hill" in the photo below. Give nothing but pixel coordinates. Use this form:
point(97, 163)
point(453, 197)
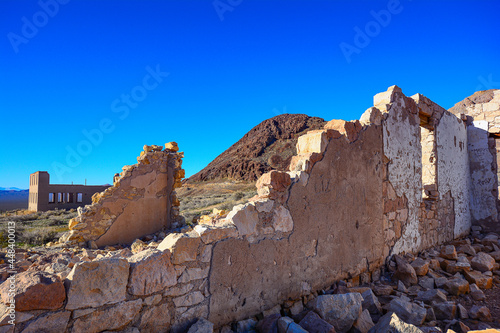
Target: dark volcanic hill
point(269, 145)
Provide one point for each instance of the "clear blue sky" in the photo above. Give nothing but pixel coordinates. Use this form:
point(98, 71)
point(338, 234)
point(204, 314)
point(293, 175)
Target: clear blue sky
point(219, 68)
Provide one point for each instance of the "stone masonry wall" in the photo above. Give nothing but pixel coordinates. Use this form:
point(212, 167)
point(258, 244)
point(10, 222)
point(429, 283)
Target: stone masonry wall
point(352, 198)
point(141, 201)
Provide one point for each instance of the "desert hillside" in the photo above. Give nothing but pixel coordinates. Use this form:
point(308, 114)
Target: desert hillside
point(269, 145)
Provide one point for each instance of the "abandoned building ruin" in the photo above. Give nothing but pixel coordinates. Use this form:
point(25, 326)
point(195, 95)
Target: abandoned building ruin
point(407, 176)
point(44, 196)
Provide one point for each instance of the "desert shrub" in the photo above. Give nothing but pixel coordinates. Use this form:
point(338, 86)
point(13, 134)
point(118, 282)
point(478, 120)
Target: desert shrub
point(237, 196)
point(38, 236)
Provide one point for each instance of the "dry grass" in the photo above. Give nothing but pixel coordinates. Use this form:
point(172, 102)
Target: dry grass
point(35, 228)
point(201, 198)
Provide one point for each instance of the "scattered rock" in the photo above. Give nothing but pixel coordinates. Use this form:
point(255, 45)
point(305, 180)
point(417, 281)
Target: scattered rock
point(364, 323)
point(340, 310)
point(405, 272)
point(448, 252)
point(202, 326)
point(390, 323)
point(269, 324)
point(408, 312)
point(383, 290)
point(476, 293)
point(433, 295)
point(371, 302)
point(287, 325)
point(313, 323)
point(481, 280)
point(444, 310)
point(457, 286)
point(483, 262)
point(481, 313)
point(420, 266)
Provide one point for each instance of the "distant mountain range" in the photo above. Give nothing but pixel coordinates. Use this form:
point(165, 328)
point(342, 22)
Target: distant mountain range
point(11, 189)
point(13, 198)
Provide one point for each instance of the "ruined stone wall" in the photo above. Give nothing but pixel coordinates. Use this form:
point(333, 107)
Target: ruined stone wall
point(482, 111)
point(141, 201)
point(352, 198)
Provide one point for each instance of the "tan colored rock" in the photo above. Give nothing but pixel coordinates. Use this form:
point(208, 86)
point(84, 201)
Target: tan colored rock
point(138, 246)
point(483, 262)
point(304, 162)
point(388, 96)
point(276, 180)
point(156, 319)
point(53, 322)
point(172, 146)
point(371, 116)
point(245, 218)
point(312, 142)
point(35, 291)
point(350, 129)
point(150, 271)
point(114, 318)
point(211, 234)
point(184, 247)
point(98, 282)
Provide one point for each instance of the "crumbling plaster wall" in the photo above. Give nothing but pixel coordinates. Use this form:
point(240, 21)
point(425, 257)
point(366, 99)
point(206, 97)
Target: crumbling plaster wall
point(352, 197)
point(453, 169)
point(483, 178)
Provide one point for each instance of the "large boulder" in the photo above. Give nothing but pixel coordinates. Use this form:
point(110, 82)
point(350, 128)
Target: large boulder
point(35, 291)
point(98, 282)
point(340, 310)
